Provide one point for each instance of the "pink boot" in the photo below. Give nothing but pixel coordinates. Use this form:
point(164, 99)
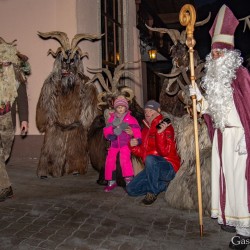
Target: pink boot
point(110, 187)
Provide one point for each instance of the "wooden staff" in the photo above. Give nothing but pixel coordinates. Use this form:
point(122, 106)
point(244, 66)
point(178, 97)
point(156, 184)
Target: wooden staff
point(187, 18)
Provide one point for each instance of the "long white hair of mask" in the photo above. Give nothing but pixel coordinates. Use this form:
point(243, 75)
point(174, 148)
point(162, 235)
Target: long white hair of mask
point(217, 81)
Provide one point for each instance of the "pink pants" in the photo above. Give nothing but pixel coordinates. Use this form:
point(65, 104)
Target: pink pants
point(125, 161)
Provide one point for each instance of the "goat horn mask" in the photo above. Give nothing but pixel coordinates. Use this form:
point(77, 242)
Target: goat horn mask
point(66, 47)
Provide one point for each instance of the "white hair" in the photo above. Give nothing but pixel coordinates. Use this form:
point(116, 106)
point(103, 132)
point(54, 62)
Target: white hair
point(220, 74)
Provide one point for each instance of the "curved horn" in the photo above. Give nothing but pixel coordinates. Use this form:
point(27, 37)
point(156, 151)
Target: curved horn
point(123, 65)
point(100, 100)
point(100, 96)
point(200, 23)
point(108, 74)
point(3, 41)
point(185, 99)
point(102, 81)
point(77, 38)
point(101, 104)
point(247, 22)
point(54, 54)
point(184, 75)
point(181, 96)
point(199, 75)
point(174, 34)
point(181, 84)
point(119, 71)
point(77, 49)
point(61, 37)
point(12, 43)
point(99, 70)
point(183, 37)
point(198, 69)
point(128, 91)
point(170, 83)
point(117, 77)
point(173, 74)
point(51, 52)
point(83, 54)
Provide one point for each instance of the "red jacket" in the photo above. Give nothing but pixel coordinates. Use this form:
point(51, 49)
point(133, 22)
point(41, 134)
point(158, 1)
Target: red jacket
point(162, 144)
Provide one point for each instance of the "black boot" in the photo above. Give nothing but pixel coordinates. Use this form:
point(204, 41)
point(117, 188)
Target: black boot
point(101, 180)
point(229, 229)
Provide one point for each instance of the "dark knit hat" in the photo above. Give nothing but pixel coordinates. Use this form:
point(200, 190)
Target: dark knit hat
point(152, 104)
point(121, 102)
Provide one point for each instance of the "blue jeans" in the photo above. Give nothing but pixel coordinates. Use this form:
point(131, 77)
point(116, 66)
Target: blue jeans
point(154, 178)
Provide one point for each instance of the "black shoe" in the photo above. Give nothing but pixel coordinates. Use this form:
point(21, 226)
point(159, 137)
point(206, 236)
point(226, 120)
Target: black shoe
point(229, 229)
point(239, 242)
point(149, 199)
point(76, 173)
point(6, 193)
point(102, 182)
point(43, 177)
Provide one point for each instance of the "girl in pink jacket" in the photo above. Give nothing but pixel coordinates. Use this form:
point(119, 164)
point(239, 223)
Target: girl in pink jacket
point(121, 127)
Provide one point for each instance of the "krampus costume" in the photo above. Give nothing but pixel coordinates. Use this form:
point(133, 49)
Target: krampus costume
point(182, 190)
point(67, 106)
point(13, 67)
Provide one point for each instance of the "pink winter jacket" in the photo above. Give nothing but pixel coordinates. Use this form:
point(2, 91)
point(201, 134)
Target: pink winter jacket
point(123, 139)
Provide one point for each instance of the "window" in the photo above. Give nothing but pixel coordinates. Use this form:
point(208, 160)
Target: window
point(111, 26)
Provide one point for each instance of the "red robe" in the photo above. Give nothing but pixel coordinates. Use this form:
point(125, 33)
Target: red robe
point(241, 95)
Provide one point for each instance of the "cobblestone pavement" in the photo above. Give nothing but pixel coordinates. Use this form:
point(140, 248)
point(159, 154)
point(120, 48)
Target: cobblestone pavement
point(75, 213)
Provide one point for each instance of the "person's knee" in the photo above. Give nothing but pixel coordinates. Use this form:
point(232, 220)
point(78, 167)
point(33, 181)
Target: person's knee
point(149, 161)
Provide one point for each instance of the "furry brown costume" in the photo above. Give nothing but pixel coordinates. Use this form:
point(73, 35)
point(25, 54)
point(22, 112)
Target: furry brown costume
point(67, 105)
point(182, 190)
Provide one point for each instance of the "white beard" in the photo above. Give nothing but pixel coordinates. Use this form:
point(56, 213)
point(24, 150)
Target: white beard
point(220, 74)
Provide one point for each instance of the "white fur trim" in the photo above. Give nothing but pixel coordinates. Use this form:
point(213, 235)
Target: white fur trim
point(229, 39)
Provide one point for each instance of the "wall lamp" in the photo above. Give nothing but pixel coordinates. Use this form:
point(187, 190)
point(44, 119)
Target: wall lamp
point(152, 54)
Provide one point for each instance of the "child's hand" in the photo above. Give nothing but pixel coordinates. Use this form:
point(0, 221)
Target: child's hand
point(134, 142)
point(129, 131)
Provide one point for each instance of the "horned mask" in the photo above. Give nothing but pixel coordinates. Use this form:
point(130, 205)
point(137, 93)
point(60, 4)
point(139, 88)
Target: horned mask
point(67, 49)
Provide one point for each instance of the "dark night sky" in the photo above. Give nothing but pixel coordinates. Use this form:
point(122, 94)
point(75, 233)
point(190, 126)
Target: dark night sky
point(240, 8)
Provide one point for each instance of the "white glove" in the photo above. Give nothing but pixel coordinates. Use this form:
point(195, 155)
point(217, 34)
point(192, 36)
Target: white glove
point(195, 91)
point(241, 147)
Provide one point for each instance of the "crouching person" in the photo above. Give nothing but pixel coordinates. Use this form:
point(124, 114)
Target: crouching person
point(158, 152)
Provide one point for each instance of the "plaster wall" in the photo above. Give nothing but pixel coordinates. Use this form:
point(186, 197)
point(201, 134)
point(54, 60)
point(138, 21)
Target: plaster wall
point(21, 19)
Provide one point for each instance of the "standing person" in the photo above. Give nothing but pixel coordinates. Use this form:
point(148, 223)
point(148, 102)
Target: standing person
point(66, 107)
point(227, 87)
point(158, 152)
point(120, 128)
point(13, 65)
